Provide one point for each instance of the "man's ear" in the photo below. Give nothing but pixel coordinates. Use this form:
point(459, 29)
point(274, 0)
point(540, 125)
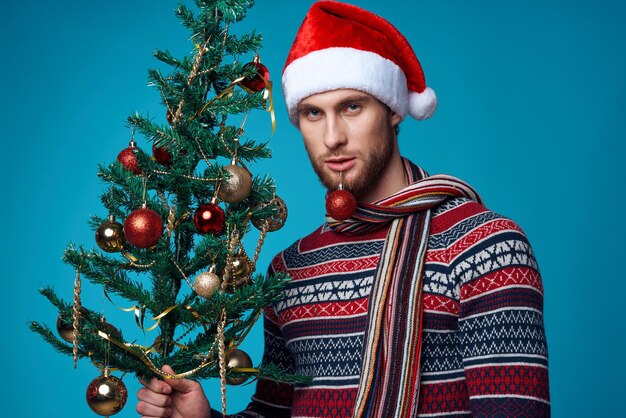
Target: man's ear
point(394, 118)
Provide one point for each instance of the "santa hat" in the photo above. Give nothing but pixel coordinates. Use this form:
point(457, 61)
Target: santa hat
point(340, 46)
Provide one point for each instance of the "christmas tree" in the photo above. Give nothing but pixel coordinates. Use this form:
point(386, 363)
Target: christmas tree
point(177, 255)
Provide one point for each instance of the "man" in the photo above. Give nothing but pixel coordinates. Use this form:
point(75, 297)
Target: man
point(422, 302)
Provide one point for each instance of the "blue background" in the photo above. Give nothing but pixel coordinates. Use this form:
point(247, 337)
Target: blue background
point(531, 114)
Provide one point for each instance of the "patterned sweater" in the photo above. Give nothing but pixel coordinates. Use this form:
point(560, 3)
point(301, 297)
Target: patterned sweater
point(484, 350)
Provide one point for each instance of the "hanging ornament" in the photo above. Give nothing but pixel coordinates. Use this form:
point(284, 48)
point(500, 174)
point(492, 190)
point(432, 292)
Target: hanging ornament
point(207, 283)
point(143, 227)
point(209, 218)
point(66, 329)
point(275, 221)
point(340, 204)
point(110, 236)
point(241, 266)
point(239, 272)
point(107, 394)
point(162, 155)
point(237, 186)
point(259, 78)
point(76, 313)
point(128, 158)
point(109, 329)
point(237, 359)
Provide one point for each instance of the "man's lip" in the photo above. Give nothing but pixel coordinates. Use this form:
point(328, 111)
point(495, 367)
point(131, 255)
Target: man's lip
point(340, 164)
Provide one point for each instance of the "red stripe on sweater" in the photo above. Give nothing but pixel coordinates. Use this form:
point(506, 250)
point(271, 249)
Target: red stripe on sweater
point(318, 402)
point(448, 219)
point(332, 267)
point(442, 397)
point(502, 278)
point(441, 304)
point(526, 380)
point(324, 310)
point(486, 230)
point(319, 239)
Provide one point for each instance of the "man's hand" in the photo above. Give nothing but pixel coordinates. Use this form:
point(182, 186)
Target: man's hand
point(173, 398)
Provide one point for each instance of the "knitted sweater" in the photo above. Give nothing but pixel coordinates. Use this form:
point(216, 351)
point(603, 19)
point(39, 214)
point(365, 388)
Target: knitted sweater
point(484, 350)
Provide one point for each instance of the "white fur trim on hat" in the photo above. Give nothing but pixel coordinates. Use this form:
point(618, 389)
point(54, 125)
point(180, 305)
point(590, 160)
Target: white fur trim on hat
point(349, 68)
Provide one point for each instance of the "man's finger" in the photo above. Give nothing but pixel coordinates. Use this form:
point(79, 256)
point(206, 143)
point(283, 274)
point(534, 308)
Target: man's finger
point(180, 385)
point(146, 410)
point(157, 386)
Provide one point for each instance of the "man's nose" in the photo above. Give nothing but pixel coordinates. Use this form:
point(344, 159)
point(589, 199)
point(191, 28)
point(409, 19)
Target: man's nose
point(335, 135)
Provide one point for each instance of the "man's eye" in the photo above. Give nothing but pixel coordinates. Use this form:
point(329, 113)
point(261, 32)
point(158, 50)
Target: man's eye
point(353, 107)
point(311, 114)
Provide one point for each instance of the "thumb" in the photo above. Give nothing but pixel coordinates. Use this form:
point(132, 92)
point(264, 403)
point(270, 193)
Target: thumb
point(179, 385)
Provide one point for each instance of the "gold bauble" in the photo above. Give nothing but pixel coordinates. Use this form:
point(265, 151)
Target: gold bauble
point(206, 284)
point(110, 236)
point(241, 267)
point(275, 221)
point(106, 395)
point(110, 330)
point(239, 273)
point(239, 359)
point(237, 186)
point(66, 329)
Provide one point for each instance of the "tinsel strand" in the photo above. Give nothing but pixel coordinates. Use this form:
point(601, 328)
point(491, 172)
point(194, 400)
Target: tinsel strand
point(132, 262)
point(181, 273)
point(222, 357)
point(187, 176)
point(75, 316)
point(171, 221)
point(259, 245)
point(233, 241)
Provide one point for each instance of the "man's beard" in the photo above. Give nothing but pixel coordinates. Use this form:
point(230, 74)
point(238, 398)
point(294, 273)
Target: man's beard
point(375, 162)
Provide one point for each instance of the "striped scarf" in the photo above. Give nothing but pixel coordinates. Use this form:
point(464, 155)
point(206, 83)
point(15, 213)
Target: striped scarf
point(390, 377)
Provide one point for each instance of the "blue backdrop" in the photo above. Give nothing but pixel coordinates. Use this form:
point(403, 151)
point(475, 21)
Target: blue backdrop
point(531, 100)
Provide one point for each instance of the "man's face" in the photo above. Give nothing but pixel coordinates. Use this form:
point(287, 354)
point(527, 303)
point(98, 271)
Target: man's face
point(349, 134)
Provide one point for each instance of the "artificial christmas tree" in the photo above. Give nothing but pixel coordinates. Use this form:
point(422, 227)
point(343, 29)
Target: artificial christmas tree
point(177, 253)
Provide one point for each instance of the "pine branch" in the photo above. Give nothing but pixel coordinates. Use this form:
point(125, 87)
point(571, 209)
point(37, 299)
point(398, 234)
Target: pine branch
point(59, 346)
point(167, 58)
point(232, 10)
point(186, 18)
point(240, 45)
point(102, 271)
point(273, 372)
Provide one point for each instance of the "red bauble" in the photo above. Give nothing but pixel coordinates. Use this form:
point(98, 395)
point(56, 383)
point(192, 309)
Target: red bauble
point(340, 204)
point(128, 158)
point(162, 155)
point(143, 228)
point(257, 81)
point(209, 217)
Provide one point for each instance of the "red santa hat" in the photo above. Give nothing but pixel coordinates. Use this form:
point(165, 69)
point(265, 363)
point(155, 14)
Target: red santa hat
point(340, 46)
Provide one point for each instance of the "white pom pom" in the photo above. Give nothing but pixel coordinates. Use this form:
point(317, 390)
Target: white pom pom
point(422, 105)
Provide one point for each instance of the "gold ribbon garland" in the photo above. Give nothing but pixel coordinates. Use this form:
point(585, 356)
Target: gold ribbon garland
point(267, 95)
point(141, 352)
point(140, 314)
